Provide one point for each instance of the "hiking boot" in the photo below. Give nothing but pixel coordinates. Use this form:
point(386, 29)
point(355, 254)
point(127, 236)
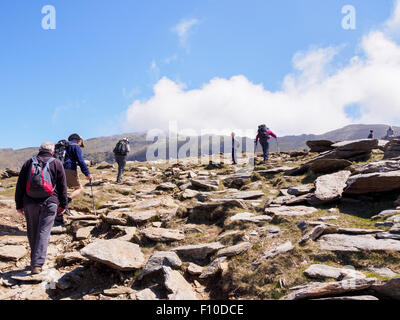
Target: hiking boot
point(36, 270)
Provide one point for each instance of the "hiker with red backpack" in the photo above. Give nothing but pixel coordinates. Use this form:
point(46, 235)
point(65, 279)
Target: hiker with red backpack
point(40, 194)
point(264, 134)
point(121, 151)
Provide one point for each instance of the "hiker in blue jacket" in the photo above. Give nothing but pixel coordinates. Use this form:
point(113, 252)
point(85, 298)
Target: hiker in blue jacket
point(73, 159)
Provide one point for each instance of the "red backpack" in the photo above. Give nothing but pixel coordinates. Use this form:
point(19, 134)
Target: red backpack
point(39, 184)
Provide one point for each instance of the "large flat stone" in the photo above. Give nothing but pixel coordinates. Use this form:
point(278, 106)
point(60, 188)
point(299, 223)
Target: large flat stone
point(158, 260)
point(178, 286)
point(324, 271)
point(12, 252)
point(117, 254)
point(199, 251)
point(373, 183)
point(330, 187)
point(290, 211)
point(316, 290)
point(351, 243)
point(163, 235)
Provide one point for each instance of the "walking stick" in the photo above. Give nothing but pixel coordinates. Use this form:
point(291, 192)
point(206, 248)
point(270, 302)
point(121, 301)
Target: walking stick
point(277, 146)
point(94, 206)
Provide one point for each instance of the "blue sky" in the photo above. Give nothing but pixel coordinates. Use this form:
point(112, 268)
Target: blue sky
point(104, 55)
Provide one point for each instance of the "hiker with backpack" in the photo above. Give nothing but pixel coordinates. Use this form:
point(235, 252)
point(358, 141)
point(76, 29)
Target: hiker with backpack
point(73, 159)
point(264, 134)
point(121, 151)
point(40, 194)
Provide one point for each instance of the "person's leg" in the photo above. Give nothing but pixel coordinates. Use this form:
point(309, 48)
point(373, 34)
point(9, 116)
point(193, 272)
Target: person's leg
point(77, 191)
point(264, 148)
point(119, 162)
point(266, 154)
point(32, 213)
point(234, 156)
point(46, 221)
point(123, 165)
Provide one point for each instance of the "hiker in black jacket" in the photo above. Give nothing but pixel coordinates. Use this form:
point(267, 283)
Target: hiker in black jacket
point(40, 199)
point(121, 151)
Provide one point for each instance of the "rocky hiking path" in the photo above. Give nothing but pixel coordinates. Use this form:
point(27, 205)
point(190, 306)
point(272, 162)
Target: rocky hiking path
point(307, 225)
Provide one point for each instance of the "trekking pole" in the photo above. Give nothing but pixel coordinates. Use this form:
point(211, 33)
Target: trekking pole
point(94, 206)
point(277, 146)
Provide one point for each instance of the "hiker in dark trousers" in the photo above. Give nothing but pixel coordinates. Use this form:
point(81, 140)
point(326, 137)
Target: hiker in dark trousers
point(121, 151)
point(235, 145)
point(73, 158)
point(264, 134)
point(41, 194)
point(371, 134)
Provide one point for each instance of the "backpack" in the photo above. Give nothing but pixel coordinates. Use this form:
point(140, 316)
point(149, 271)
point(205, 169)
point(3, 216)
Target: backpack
point(262, 132)
point(39, 185)
point(121, 148)
point(60, 150)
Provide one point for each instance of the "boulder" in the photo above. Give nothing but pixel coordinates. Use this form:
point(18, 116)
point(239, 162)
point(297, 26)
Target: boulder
point(83, 233)
point(194, 269)
point(244, 195)
point(142, 216)
point(146, 294)
point(328, 165)
point(12, 252)
point(205, 184)
point(199, 251)
point(117, 254)
point(386, 214)
point(319, 145)
point(115, 218)
point(167, 186)
point(234, 250)
point(324, 271)
point(300, 190)
point(286, 247)
point(274, 171)
point(390, 289)
point(217, 265)
point(373, 183)
point(363, 145)
point(357, 243)
point(250, 217)
point(163, 235)
point(392, 149)
point(329, 188)
point(290, 211)
point(316, 290)
point(178, 286)
point(158, 260)
point(376, 166)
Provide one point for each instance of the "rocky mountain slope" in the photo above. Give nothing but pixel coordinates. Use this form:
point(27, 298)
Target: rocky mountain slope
point(100, 149)
point(303, 226)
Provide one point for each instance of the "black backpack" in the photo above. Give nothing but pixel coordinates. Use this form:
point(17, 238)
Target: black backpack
point(60, 150)
point(121, 148)
point(262, 132)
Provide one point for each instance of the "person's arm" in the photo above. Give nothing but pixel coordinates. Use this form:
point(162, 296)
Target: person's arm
point(61, 183)
point(81, 162)
point(129, 148)
point(20, 190)
point(272, 134)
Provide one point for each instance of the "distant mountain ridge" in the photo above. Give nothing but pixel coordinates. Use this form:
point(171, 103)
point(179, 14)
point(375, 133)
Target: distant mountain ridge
point(100, 149)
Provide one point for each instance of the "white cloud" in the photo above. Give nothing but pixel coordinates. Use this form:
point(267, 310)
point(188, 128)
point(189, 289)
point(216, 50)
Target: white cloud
point(313, 98)
point(182, 29)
